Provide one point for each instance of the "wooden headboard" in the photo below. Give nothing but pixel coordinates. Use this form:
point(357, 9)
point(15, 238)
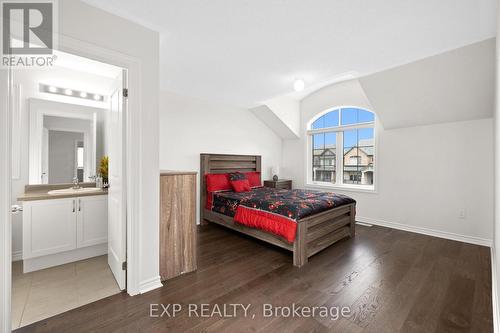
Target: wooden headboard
point(224, 163)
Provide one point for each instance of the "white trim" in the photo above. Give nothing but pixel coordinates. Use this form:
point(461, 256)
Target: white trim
point(56, 259)
point(133, 147)
point(494, 291)
point(342, 128)
point(427, 231)
point(150, 284)
point(308, 177)
point(5, 200)
point(17, 122)
point(343, 187)
point(17, 255)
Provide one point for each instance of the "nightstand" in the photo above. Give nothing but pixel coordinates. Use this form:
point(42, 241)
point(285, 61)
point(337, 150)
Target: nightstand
point(279, 184)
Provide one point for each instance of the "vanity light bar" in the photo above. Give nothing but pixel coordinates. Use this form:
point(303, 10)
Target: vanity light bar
point(47, 88)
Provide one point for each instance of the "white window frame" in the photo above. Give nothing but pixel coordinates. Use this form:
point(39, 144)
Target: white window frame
point(339, 169)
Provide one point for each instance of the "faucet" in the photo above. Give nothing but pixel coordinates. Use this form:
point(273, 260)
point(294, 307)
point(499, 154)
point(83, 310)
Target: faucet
point(76, 184)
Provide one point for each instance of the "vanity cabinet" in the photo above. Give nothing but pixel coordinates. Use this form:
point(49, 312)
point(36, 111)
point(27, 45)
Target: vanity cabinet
point(92, 221)
point(57, 225)
point(49, 226)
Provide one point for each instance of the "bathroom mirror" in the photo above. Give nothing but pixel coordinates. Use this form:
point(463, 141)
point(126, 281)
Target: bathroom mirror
point(66, 142)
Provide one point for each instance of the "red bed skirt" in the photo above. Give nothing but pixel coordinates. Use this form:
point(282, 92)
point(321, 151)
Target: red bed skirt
point(272, 223)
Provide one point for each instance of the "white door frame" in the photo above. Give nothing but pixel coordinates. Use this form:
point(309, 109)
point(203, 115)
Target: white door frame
point(133, 174)
point(5, 200)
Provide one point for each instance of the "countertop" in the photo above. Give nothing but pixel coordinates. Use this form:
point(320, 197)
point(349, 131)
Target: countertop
point(40, 192)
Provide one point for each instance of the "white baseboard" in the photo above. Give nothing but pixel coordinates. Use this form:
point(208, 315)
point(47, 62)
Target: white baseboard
point(34, 264)
point(150, 284)
point(494, 291)
point(17, 255)
point(428, 231)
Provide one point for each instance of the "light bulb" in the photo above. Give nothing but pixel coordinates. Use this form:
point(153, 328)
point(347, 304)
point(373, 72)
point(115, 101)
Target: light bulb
point(68, 92)
point(299, 85)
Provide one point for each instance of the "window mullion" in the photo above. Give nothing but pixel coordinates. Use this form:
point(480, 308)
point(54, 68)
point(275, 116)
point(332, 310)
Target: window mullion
point(339, 158)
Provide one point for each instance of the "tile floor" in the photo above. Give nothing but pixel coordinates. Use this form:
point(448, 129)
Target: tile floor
point(45, 293)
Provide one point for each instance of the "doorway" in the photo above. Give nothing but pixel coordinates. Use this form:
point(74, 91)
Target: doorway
point(72, 260)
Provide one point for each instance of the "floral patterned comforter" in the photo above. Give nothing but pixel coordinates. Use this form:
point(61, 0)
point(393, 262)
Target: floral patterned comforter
point(292, 204)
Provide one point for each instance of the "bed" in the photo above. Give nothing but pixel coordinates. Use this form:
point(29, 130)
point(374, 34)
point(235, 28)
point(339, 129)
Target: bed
point(314, 227)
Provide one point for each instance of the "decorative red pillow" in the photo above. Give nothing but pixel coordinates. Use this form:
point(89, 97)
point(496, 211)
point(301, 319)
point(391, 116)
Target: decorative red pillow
point(239, 182)
point(217, 182)
point(253, 179)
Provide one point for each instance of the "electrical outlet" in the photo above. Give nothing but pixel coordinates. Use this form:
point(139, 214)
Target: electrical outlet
point(462, 214)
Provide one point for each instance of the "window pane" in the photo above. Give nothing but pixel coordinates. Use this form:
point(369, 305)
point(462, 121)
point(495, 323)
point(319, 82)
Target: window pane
point(355, 116)
point(79, 158)
point(331, 119)
point(365, 137)
point(365, 116)
point(324, 157)
point(349, 116)
point(318, 123)
point(358, 156)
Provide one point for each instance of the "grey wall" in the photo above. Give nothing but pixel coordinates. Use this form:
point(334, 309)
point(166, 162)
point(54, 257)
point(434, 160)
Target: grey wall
point(62, 156)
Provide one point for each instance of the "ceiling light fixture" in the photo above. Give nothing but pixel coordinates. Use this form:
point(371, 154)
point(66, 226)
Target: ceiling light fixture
point(47, 88)
point(299, 85)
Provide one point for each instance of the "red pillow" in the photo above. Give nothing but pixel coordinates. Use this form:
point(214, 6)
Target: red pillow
point(217, 182)
point(239, 182)
point(254, 179)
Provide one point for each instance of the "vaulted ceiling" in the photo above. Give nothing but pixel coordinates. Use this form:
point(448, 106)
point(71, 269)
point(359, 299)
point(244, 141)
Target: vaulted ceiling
point(245, 52)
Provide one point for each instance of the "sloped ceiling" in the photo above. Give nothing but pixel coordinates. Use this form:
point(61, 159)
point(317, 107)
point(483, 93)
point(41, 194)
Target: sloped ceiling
point(245, 52)
point(453, 86)
point(273, 120)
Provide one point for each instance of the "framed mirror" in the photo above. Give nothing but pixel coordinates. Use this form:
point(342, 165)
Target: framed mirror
point(66, 142)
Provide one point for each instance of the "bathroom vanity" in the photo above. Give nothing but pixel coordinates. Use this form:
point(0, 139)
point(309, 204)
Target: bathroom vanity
point(62, 225)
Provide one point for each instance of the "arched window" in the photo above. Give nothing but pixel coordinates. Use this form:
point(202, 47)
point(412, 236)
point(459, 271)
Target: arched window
point(342, 142)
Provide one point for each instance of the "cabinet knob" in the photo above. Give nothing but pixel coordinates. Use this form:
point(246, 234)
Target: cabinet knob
point(74, 206)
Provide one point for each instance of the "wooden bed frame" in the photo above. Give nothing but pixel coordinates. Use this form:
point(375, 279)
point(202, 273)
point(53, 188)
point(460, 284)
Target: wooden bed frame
point(314, 233)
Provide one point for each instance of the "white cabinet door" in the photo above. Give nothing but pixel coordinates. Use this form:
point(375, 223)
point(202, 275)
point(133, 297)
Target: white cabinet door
point(92, 220)
point(49, 226)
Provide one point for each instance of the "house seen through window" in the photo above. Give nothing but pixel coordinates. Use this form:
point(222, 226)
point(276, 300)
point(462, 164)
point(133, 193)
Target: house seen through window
point(343, 145)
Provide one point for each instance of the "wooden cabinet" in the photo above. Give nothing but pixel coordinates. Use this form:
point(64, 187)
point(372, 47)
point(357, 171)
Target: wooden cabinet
point(279, 184)
point(177, 223)
point(59, 225)
point(92, 221)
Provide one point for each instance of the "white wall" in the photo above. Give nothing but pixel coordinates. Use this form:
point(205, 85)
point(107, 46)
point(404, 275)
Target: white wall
point(288, 111)
point(88, 24)
point(496, 227)
point(28, 81)
point(190, 126)
point(97, 31)
point(426, 174)
point(457, 85)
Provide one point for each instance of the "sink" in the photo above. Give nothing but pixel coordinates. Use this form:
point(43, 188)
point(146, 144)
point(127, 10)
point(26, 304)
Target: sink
point(75, 191)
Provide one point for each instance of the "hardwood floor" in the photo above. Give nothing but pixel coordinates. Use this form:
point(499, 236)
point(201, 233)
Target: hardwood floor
point(393, 281)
